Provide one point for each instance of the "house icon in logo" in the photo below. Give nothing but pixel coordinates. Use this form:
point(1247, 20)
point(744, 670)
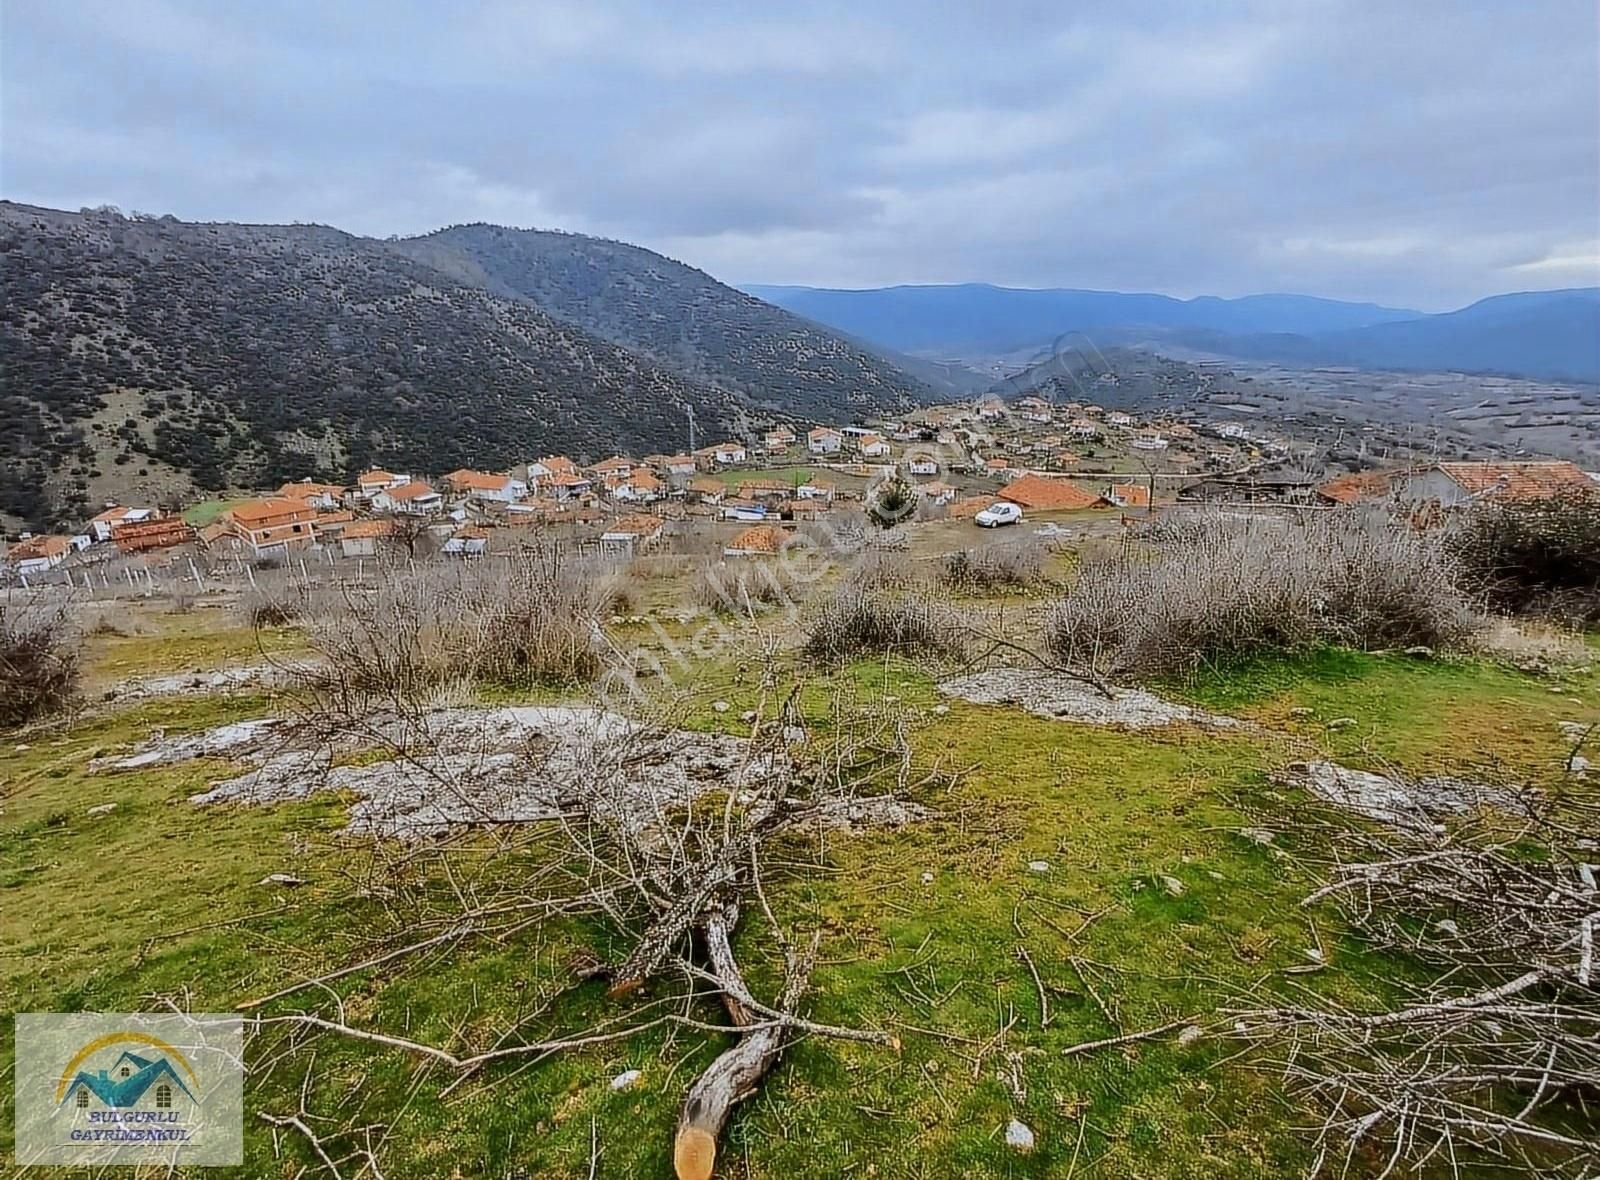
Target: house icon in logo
point(133, 1081)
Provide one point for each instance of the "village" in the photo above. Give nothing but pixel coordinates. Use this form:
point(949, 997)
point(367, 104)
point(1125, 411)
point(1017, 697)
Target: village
point(1072, 463)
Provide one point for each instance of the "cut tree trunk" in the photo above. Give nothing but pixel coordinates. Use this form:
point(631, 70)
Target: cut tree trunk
point(736, 1073)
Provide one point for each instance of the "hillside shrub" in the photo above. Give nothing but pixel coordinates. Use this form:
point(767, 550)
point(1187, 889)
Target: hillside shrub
point(857, 620)
point(39, 661)
point(884, 570)
point(1219, 588)
point(740, 586)
point(1014, 565)
point(1535, 557)
point(532, 619)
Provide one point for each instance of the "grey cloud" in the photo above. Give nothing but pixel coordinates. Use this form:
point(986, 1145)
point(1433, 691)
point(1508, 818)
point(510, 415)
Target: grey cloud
point(1426, 153)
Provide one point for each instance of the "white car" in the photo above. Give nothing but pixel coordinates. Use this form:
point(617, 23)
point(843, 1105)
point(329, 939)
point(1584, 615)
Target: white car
point(998, 514)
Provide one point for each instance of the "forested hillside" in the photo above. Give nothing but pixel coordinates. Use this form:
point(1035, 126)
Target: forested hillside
point(221, 355)
point(680, 316)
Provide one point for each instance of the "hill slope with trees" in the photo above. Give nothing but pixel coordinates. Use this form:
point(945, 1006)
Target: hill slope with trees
point(235, 355)
point(679, 316)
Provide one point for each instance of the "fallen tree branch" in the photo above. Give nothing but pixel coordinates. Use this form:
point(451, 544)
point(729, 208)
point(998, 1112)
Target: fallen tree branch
point(378, 960)
point(1126, 1038)
point(298, 1124)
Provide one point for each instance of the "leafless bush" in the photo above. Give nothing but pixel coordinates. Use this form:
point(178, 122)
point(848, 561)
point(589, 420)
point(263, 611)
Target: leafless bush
point(1497, 1056)
point(739, 587)
point(879, 571)
point(39, 660)
point(618, 592)
point(271, 604)
point(1226, 587)
point(1016, 565)
point(858, 620)
point(659, 565)
point(530, 618)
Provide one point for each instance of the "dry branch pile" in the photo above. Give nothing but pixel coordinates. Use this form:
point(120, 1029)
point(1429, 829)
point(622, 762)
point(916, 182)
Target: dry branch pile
point(1498, 1055)
point(666, 875)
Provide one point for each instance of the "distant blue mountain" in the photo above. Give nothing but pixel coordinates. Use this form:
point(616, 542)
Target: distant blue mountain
point(1550, 335)
point(979, 317)
point(1542, 334)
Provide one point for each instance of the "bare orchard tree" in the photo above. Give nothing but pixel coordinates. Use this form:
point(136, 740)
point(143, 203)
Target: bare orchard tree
point(1497, 1056)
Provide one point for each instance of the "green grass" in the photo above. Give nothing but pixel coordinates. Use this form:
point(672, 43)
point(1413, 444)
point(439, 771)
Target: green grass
point(207, 511)
point(1111, 812)
point(1420, 713)
point(193, 641)
point(793, 476)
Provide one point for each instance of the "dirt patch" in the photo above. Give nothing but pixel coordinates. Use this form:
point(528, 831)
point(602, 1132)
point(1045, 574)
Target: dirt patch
point(1060, 698)
point(1401, 802)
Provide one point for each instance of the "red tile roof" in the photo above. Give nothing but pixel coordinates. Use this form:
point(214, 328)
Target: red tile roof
point(367, 528)
point(477, 481)
point(639, 524)
point(969, 507)
point(254, 512)
point(1362, 485)
point(1130, 495)
point(161, 533)
point(1043, 494)
point(1519, 481)
point(302, 489)
point(39, 546)
point(761, 538)
point(414, 490)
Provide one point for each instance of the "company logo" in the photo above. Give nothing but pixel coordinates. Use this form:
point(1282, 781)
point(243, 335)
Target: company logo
point(128, 1089)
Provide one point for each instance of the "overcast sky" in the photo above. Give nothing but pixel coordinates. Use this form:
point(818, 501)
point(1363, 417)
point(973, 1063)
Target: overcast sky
point(1409, 152)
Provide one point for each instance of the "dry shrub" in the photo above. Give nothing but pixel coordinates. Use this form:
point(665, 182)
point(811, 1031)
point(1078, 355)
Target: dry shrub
point(1222, 587)
point(528, 619)
point(1532, 645)
point(39, 661)
point(654, 566)
point(858, 620)
point(274, 605)
point(617, 592)
point(1537, 557)
point(881, 570)
point(740, 586)
point(1015, 565)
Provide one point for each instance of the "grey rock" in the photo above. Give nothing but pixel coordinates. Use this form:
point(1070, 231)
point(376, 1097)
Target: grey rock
point(1019, 1136)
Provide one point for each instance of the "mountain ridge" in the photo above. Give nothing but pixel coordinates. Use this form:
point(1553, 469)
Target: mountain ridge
point(1543, 334)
